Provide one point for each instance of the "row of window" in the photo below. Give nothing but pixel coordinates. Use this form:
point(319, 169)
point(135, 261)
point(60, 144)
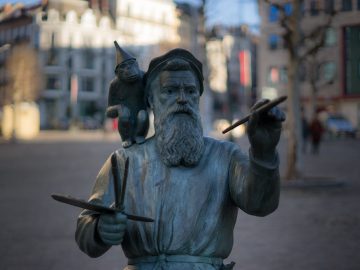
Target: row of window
point(10, 35)
point(52, 56)
point(86, 83)
point(144, 13)
point(88, 56)
point(314, 8)
point(276, 42)
point(278, 75)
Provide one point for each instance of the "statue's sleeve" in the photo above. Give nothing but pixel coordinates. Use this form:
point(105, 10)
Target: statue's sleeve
point(254, 184)
point(86, 234)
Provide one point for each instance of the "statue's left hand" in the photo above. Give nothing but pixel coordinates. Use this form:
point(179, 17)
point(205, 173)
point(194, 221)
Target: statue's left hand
point(264, 131)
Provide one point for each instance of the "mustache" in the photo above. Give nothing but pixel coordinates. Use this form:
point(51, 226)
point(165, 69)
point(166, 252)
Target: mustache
point(182, 109)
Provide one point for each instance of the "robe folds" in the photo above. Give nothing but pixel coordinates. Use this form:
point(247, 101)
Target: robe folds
point(194, 208)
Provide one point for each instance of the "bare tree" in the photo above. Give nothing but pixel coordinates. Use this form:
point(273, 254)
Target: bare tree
point(302, 45)
point(311, 60)
point(24, 75)
point(24, 79)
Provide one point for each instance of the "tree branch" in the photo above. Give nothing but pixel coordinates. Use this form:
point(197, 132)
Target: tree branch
point(287, 23)
point(317, 35)
point(284, 18)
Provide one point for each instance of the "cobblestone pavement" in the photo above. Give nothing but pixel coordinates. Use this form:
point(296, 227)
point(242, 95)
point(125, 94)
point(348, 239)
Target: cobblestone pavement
point(313, 229)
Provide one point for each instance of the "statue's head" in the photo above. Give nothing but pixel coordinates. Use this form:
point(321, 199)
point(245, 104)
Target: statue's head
point(127, 68)
point(174, 84)
point(128, 71)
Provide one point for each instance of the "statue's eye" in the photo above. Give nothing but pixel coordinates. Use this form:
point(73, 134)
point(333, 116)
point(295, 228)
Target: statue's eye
point(191, 90)
point(169, 90)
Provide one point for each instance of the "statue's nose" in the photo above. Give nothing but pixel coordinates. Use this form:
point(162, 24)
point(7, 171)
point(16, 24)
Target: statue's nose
point(182, 97)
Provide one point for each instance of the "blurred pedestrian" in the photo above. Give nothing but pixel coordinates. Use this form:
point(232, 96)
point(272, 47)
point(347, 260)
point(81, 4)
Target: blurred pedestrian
point(316, 131)
point(305, 132)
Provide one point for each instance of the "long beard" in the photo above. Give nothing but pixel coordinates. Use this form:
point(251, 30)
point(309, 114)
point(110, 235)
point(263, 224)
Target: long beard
point(179, 136)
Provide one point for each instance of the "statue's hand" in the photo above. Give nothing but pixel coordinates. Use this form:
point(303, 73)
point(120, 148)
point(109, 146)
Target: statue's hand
point(264, 131)
point(111, 228)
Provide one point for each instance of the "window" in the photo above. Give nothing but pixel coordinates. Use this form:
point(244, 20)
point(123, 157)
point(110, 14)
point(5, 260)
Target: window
point(69, 83)
point(273, 42)
point(288, 9)
point(273, 14)
point(52, 58)
point(330, 37)
point(8, 35)
point(2, 38)
point(346, 5)
point(53, 82)
point(36, 38)
point(88, 109)
point(283, 75)
point(329, 70)
point(302, 8)
point(329, 6)
point(88, 58)
point(273, 75)
point(69, 61)
point(87, 84)
point(314, 8)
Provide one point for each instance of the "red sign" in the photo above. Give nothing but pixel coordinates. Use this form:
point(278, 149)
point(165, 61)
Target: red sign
point(245, 68)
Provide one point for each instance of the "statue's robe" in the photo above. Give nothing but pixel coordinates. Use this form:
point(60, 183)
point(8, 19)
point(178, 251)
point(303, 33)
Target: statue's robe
point(194, 208)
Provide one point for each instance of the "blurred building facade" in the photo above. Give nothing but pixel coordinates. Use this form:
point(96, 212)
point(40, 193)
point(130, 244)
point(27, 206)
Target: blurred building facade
point(231, 56)
point(148, 27)
point(338, 72)
point(74, 40)
point(15, 29)
point(191, 29)
point(19, 115)
point(193, 38)
point(76, 51)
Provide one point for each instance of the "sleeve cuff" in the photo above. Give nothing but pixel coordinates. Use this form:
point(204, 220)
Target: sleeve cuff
point(264, 167)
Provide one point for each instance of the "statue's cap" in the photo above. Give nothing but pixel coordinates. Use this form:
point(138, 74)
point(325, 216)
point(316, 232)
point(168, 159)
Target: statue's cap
point(157, 63)
point(121, 54)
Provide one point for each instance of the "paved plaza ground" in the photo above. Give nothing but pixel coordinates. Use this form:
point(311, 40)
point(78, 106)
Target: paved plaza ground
point(314, 228)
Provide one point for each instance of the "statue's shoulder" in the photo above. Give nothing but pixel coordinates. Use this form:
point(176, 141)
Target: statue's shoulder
point(147, 148)
point(217, 154)
point(216, 145)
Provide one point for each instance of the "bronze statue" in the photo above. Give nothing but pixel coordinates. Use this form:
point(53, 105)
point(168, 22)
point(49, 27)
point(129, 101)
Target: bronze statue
point(191, 185)
point(126, 99)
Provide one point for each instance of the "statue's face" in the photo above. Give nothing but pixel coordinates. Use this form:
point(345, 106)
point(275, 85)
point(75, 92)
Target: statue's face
point(176, 90)
point(175, 101)
point(128, 71)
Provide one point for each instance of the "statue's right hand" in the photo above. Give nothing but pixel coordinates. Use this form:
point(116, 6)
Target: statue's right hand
point(111, 228)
